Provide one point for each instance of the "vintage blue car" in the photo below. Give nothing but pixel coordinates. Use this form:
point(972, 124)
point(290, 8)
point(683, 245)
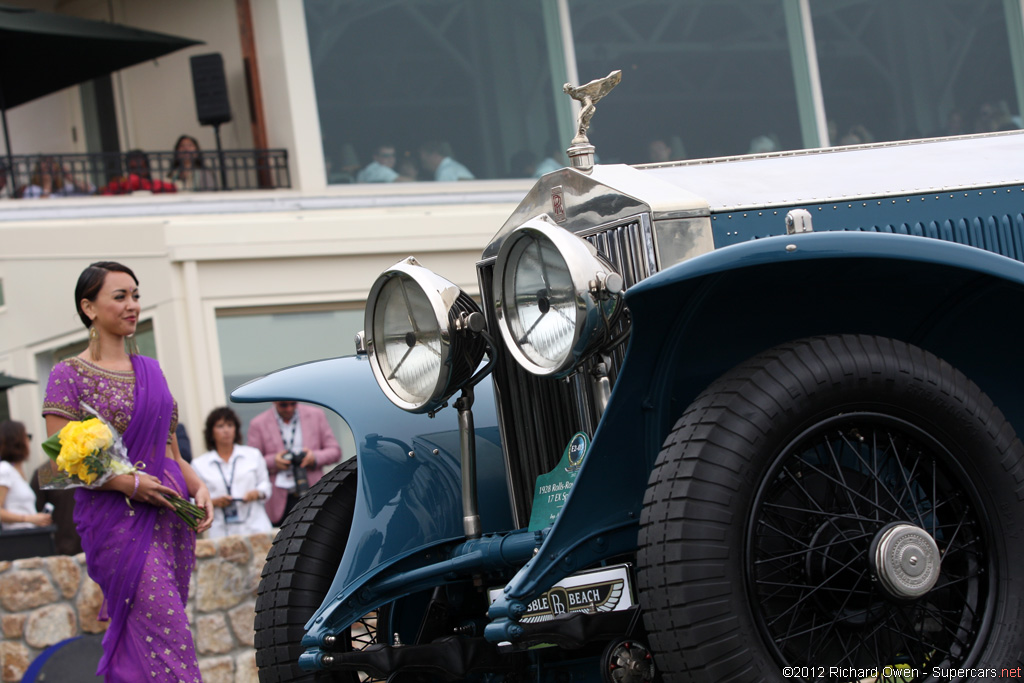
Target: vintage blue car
point(751, 418)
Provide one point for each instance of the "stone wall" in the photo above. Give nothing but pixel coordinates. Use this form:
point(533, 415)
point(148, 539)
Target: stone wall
point(45, 600)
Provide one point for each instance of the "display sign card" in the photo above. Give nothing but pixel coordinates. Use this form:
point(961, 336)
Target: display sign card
point(553, 488)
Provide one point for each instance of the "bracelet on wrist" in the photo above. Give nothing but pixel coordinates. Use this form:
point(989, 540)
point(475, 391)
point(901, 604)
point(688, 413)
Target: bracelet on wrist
point(136, 489)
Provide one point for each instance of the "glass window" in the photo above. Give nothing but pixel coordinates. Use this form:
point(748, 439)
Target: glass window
point(699, 78)
point(284, 339)
point(915, 68)
point(1, 293)
point(471, 78)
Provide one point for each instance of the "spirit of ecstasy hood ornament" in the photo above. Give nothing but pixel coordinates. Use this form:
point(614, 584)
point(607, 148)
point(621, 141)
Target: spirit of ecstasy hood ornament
point(581, 152)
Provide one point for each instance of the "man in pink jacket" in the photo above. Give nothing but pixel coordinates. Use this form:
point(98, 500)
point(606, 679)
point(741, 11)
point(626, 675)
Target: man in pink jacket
point(287, 428)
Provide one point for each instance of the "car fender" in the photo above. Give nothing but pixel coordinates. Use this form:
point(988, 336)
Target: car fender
point(409, 473)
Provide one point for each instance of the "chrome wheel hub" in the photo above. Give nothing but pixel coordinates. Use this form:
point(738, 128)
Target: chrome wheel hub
point(906, 561)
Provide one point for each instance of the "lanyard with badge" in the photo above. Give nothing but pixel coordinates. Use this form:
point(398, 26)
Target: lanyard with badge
point(294, 478)
point(231, 515)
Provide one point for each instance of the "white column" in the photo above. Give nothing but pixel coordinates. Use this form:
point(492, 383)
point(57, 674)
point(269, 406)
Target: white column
point(289, 98)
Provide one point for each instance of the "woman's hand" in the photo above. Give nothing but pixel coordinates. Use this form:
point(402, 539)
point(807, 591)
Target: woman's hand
point(39, 519)
point(202, 496)
point(151, 491)
point(222, 502)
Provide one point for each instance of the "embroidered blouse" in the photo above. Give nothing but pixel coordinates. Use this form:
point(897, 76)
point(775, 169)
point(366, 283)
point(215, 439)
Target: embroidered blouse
point(110, 392)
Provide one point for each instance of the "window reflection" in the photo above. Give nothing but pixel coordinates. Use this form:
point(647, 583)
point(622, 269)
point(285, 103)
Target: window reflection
point(456, 88)
point(699, 78)
point(915, 68)
point(452, 90)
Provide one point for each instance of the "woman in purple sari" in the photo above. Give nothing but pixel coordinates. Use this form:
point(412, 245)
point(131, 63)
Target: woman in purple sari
point(140, 553)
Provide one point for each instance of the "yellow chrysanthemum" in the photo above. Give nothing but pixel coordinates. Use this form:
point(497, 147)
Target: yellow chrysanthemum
point(96, 436)
point(78, 440)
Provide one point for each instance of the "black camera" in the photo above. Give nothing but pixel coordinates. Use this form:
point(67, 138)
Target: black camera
point(298, 472)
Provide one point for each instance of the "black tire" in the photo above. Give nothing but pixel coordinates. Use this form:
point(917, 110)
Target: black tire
point(770, 498)
point(300, 567)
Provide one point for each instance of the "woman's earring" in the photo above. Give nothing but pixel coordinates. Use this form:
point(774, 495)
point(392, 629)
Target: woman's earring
point(94, 343)
point(133, 346)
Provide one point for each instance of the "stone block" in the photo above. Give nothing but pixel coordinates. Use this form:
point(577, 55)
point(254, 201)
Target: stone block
point(234, 549)
point(212, 635)
point(66, 572)
point(4, 565)
point(14, 660)
point(260, 544)
point(88, 605)
point(206, 547)
point(24, 589)
point(221, 585)
point(245, 668)
point(13, 626)
point(49, 625)
point(217, 669)
point(29, 563)
point(243, 620)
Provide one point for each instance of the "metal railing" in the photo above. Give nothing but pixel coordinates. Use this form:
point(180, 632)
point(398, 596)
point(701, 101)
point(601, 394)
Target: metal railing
point(39, 175)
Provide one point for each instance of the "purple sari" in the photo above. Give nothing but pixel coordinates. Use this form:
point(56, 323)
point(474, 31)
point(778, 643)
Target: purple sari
point(141, 556)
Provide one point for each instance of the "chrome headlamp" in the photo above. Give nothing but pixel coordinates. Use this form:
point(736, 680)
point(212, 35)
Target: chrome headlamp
point(556, 299)
point(416, 338)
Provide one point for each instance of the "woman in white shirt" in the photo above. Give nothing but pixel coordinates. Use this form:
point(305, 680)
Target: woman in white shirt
point(236, 476)
point(17, 499)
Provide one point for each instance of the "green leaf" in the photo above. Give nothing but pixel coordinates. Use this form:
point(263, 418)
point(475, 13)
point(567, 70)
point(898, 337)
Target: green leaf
point(52, 446)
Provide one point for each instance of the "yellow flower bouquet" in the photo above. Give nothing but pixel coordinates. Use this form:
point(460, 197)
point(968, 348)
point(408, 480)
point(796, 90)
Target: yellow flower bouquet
point(90, 452)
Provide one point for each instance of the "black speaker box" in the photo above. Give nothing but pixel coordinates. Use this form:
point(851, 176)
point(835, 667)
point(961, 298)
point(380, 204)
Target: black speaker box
point(211, 89)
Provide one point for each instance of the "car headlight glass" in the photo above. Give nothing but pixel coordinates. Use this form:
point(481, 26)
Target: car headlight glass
point(418, 352)
point(555, 297)
point(411, 339)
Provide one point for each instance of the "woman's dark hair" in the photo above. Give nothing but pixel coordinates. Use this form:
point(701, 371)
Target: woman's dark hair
point(197, 159)
point(13, 447)
point(90, 282)
point(215, 416)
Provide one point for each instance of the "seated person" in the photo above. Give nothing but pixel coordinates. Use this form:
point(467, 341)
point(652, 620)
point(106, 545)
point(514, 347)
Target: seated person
point(188, 171)
point(435, 160)
point(381, 169)
point(52, 179)
point(137, 178)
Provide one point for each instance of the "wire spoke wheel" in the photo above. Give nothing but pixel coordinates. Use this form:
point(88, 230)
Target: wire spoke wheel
point(822, 594)
point(841, 508)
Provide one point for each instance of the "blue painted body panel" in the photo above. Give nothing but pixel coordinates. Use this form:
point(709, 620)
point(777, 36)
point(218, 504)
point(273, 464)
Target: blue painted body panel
point(940, 215)
point(694, 321)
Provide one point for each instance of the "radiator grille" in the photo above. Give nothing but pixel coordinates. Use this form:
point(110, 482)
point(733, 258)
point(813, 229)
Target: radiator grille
point(539, 415)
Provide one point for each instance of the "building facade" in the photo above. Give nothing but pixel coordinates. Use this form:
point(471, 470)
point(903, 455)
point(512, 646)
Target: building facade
point(238, 284)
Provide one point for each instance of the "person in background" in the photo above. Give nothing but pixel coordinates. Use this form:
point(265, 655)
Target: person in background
point(137, 178)
point(290, 431)
point(52, 179)
point(236, 476)
point(62, 502)
point(554, 160)
point(184, 443)
point(434, 159)
point(188, 172)
point(17, 500)
point(381, 169)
